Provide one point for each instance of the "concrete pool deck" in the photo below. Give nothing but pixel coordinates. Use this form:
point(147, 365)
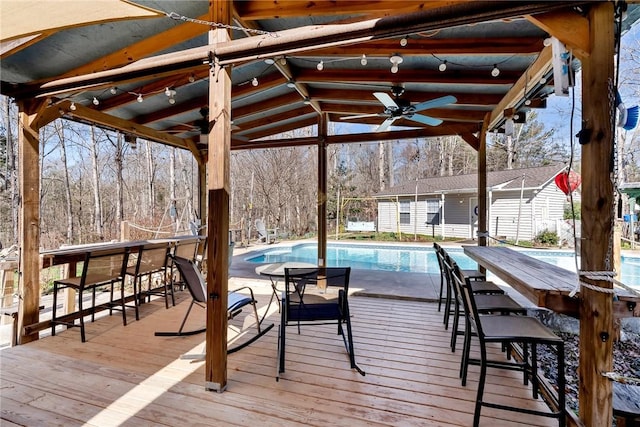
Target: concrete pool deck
point(371, 283)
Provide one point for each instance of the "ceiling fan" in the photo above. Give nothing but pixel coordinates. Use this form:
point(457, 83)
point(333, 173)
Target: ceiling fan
point(397, 108)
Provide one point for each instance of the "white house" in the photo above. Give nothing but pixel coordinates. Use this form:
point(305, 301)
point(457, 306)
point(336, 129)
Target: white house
point(521, 203)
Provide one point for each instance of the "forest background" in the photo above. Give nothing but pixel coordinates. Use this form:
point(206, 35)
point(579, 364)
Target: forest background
point(92, 180)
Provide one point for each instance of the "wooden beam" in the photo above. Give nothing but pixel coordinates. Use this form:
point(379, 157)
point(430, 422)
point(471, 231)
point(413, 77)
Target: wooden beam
point(568, 26)
point(525, 83)
point(29, 217)
point(282, 128)
point(322, 190)
point(407, 76)
point(262, 9)
point(267, 120)
point(365, 137)
point(429, 47)
point(82, 113)
point(482, 183)
point(596, 320)
point(218, 217)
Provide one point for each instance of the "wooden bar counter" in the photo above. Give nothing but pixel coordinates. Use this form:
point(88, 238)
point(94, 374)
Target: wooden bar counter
point(544, 284)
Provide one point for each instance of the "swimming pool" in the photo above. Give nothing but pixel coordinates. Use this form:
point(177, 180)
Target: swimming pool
point(416, 259)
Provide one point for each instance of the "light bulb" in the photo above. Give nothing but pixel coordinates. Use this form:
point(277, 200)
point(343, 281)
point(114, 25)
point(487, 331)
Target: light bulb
point(403, 41)
point(254, 82)
point(394, 68)
point(172, 100)
point(95, 101)
point(496, 71)
point(167, 92)
point(113, 90)
point(527, 102)
point(320, 66)
point(139, 98)
point(443, 66)
point(72, 107)
point(543, 81)
point(283, 61)
point(363, 60)
point(192, 78)
point(547, 41)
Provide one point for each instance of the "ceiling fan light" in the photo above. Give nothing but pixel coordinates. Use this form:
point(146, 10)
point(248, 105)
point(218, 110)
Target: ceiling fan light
point(496, 71)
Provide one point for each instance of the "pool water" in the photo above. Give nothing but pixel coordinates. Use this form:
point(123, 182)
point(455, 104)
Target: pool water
point(415, 259)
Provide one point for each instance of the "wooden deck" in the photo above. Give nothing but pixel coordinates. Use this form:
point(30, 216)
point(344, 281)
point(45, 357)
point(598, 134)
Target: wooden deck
point(125, 376)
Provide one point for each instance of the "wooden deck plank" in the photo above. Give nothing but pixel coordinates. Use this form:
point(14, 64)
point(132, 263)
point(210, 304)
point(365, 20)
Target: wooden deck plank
point(127, 375)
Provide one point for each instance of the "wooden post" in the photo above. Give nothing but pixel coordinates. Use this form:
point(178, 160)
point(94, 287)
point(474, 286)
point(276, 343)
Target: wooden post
point(322, 191)
point(482, 183)
point(124, 231)
point(218, 211)
point(596, 319)
point(29, 219)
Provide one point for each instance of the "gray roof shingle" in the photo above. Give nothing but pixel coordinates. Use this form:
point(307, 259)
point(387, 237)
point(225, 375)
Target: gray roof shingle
point(506, 179)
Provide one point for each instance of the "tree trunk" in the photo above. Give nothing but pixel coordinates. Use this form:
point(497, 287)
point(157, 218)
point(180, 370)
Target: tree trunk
point(119, 179)
point(95, 175)
point(151, 198)
point(67, 183)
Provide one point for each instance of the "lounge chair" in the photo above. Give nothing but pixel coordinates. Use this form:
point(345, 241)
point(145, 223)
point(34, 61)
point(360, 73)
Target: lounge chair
point(268, 235)
point(309, 299)
point(198, 289)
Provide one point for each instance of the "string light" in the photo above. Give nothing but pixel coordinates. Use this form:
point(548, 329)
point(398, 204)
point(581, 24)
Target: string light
point(496, 71)
point(72, 107)
point(395, 60)
point(283, 61)
point(139, 98)
point(192, 78)
point(403, 41)
point(254, 82)
point(95, 101)
point(320, 66)
point(363, 60)
point(443, 66)
point(113, 90)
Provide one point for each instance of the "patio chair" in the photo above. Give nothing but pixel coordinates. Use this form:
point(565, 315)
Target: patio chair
point(316, 296)
point(268, 235)
point(186, 249)
point(518, 330)
point(486, 303)
point(479, 286)
point(151, 263)
point(198, 289)
point(100, 268)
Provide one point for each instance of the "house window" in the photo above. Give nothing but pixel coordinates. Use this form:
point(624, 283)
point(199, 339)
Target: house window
point(433, 211)
point(405, 212)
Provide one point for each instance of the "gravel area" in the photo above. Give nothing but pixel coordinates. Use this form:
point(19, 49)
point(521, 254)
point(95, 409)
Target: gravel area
point(626, 362)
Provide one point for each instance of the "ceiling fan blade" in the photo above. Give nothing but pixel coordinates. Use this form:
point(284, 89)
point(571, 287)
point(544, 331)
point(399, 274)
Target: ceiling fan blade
point(438, 102)
point(362, 116)
point(424, 119)
point(385, 125)
point(386, 100)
